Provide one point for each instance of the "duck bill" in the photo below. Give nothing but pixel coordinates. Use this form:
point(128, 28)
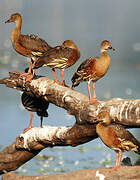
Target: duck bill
point(111, 48)
point(8, 21)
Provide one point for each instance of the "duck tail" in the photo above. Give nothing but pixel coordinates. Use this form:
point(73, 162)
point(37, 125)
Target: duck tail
point(76, 80)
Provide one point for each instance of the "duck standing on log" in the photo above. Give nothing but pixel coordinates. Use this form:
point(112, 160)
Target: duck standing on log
point(93, 69)
point(60, 57)
point(27, 45)
point(116, 137)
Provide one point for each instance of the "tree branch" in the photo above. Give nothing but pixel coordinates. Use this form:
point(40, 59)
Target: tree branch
point(29, 144)
point(122, 111)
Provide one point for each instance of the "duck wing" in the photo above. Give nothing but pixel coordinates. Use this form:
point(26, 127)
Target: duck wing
point(59, 57)
point(33, 43)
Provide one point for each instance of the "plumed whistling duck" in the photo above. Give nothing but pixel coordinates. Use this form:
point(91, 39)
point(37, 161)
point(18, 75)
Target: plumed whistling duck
point(93, 69)
point(27, 45)
point(116, 137)
point(34, 104)
point(60, 57)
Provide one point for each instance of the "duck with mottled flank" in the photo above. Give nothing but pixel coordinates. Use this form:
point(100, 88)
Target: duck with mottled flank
point(60, 57)
point(93, 69)
point(29, 45)
point(116, 137)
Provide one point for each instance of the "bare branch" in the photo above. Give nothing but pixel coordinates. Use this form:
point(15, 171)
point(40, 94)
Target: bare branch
point(29, 144)
point(26, 146)
point(123, 111)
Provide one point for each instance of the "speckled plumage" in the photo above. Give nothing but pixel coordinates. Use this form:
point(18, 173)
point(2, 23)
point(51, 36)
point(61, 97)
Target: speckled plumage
point(93, 69)
point(60, 57)
point(27, 45)
point(33, 44)
point(116, 137)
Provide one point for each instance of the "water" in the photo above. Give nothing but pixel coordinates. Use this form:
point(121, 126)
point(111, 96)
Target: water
point(87, 23)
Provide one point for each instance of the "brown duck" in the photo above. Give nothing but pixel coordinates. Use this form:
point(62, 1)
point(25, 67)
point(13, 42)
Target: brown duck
point(93, 69)
point(116, 137)
point(60, 57)
point(27, 45)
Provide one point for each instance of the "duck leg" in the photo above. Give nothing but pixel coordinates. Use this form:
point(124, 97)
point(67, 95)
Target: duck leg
point(63, 80)
point(92, 100)
point(55, 77)
point(118, 160)
point(62, 76)
point(25, 74)
point(30, 125)
point(31, 76)
point(41, 119)
point(89, 92)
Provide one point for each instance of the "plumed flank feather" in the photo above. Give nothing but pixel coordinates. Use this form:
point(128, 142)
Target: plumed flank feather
point(85, 64)
point(81, 74)
point(127, 138)
point(34, 43)
point(76, 79)
point(39, 63)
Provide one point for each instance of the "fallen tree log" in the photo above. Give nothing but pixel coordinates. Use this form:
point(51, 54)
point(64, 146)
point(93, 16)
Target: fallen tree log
point(90, 174)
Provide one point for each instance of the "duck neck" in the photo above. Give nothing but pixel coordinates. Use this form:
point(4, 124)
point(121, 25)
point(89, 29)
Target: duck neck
point(105, 58)
point(102, 63)
point(17, 31)
point(103, 52)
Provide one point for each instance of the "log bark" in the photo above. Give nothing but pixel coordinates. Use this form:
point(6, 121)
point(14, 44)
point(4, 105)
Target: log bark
point(29, 144)
point(91, 174)
point(122, 111)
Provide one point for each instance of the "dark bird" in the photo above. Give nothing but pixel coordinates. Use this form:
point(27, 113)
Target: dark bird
point(60, 57)
point(34, 104)
point(93, 69)
point(116, 137)
point(27, 45)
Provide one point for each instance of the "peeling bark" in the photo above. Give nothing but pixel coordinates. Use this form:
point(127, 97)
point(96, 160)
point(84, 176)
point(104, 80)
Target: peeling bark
point(29, 144)
point(122, 111)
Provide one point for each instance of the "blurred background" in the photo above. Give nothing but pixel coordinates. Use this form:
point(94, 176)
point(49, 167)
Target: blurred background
point(87, 23)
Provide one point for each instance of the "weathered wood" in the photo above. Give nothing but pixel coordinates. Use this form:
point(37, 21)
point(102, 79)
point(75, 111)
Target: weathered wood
point(29, 144)
point(122, 111)
point(26, 146)
point(11, 158)
point(123, 173)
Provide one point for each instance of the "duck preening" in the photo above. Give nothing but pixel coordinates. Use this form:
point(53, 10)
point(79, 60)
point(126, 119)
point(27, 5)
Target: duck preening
point(60, 57)
point(93, 69)
point(34, 104)
point(116, 137)
point(27, 45)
